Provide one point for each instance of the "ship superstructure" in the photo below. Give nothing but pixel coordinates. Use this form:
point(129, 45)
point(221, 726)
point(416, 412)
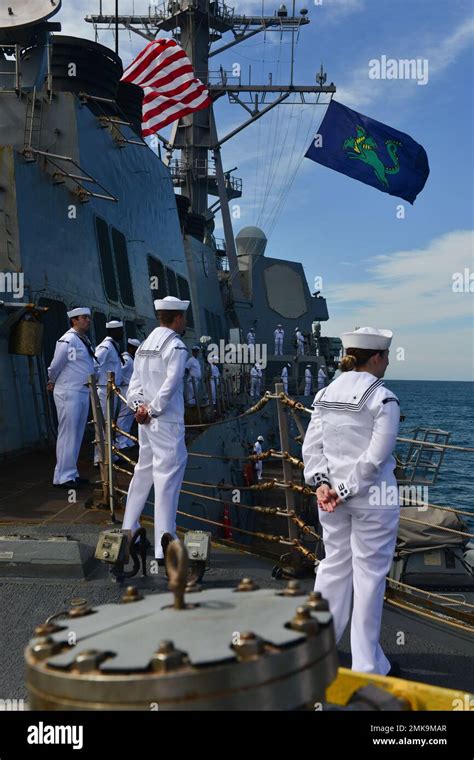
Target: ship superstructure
point(89, 212)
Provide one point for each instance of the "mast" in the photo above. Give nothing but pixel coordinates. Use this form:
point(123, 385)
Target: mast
point(197, 25)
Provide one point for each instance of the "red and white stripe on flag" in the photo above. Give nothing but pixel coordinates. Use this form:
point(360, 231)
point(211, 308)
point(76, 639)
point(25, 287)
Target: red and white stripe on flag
point(171, 90)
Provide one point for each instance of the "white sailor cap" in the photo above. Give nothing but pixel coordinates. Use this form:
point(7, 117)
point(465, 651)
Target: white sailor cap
point(260, 438)
point(278, 325)
point(368, 338)
point(170, 303)
point(133, 342)
point(196, 348)
point(113, 324)
point(296, 329)
point(214, 359)
point(289, 366)
point(81, 310)
point(308, 366)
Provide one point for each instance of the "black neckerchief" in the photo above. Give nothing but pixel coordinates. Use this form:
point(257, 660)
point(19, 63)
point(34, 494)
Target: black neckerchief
point(87, 344)
point(115, 345)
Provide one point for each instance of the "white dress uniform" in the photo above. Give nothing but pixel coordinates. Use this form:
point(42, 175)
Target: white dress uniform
point(126, 416)
point(253, 381)
point(284, 378)
point(308, 381)
point(215, 380)
point(349, 445)
point(193, 368)
point(257, 449)
point(299, 343)
point(110, 360)
point(256, 375)
point(251, 338)
point(279, 336)
point(70, 368)
point(157, 382)
point(322, 378)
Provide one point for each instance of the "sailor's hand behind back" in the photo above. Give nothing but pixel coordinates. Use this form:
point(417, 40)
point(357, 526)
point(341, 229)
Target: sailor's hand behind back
point(327, 498)
point(142, 416)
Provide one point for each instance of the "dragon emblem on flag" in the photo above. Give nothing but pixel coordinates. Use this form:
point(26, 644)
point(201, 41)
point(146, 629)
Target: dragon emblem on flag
point(364, 148)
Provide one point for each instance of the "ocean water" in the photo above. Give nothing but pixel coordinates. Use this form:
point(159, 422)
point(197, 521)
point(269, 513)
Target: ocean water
point(448, 406)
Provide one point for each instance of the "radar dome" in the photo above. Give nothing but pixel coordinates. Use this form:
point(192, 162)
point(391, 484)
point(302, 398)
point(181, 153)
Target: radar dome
point(251, 241)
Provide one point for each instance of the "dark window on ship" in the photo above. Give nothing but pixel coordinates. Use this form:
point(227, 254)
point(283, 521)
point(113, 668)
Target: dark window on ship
point(220, 330)
point(99, 321)
point(183, 288)
point(106, 258)
point(130, 329)
point(157, 278)
point(172, 285)
point(211, 324)
point(214, 325)
point(123, 268)
point(56, 323)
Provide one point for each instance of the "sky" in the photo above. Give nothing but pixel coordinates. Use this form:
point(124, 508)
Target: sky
point(413, 275)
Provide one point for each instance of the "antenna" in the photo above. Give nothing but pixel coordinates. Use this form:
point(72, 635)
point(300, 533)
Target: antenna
point(116, 27)
point(15, 14)
point(200, 23)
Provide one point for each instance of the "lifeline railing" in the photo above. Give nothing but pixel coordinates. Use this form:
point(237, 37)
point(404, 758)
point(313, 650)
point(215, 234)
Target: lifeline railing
point(106, 428)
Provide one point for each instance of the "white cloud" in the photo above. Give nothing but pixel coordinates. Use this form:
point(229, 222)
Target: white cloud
point(445, 52)
point(411, 293)
point(358, 90)
point(334, 10)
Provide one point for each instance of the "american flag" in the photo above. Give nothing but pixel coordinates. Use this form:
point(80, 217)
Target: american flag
point(170, 88)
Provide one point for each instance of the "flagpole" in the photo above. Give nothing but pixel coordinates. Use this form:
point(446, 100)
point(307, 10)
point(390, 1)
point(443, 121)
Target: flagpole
point(292, 47)
point(116, 28)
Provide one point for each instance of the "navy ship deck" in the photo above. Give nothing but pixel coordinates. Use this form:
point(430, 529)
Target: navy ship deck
point(30, 505)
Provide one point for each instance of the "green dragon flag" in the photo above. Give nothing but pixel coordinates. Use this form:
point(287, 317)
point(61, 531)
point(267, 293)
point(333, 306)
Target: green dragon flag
point(371, 152)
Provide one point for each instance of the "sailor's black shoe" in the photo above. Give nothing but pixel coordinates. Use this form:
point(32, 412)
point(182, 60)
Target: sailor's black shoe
point(82, 481)
point(67, 485)
point(166, 539)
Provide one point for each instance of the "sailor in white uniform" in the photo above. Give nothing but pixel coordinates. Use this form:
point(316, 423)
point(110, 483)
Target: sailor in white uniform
point(347, 453)
point(110, 360)
point(284, 377)
point(299, 342)
point(308, 380)
point(125, 416)
point(257, 449)
point(279, 336)
point(215, 378)
point(322, 378)
point(193, 373)
point(256, 380)
point(251, 337)
point(156, 393)
point(73, 362)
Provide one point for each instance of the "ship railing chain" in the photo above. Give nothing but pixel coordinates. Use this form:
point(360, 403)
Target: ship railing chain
point(304, 490)
point(119, 430)
point(274, 454)
point(307, 553)
point(298, 406)
point(429, 594)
